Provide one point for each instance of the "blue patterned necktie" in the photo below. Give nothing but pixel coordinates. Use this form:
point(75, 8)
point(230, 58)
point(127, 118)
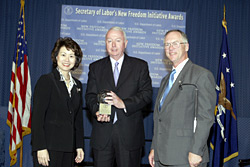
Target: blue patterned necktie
point(167, 89)
point(116, 76)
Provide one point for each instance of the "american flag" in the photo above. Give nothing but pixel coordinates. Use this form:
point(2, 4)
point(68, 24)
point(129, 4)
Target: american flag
point(19, 111)
point(224, 140)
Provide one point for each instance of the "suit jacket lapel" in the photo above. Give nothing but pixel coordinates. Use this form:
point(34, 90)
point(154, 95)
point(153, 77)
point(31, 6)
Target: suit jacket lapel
point(108, 72)
point(176, 84)
point(161, 91)
point(74, 90)
point(61, 85)
point(63, 91)
point(125, 71)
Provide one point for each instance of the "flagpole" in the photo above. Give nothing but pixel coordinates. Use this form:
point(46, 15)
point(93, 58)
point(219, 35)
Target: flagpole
point(224, 134)
point(21, 149)
point(224, 22)
point(19, 112)
point(14, 89)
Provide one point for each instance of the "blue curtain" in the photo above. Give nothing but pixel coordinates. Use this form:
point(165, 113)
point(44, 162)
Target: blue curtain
point(203, 27)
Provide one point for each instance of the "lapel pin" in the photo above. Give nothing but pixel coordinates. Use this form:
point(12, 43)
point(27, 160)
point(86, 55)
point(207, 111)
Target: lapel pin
point(78, 90)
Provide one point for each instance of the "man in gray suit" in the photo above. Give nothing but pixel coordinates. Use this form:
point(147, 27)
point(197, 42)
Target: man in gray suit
point(184, 115)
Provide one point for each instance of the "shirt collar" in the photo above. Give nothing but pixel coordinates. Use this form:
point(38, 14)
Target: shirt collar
point(62, 77)
point(180, 66)
point(120, 61)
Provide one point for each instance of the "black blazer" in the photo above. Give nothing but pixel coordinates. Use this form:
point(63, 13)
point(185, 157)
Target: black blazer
point(133, 87)
point(57, 119)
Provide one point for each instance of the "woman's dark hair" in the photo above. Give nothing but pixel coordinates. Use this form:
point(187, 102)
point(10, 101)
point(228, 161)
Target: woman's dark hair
point(70, 44)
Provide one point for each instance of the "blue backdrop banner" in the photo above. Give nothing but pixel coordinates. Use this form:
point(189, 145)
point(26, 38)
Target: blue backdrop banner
point(145, 30)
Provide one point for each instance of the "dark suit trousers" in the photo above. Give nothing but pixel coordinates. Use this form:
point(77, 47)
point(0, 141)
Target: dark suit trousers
point(57, 159)
point(115, 151)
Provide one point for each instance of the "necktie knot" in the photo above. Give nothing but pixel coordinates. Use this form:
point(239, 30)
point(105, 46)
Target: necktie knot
point(172, 76)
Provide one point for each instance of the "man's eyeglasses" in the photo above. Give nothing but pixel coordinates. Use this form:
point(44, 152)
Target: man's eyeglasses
point(174, 44)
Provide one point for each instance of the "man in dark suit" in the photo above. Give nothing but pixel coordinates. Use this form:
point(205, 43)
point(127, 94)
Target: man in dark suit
point(119, 136)
point(184, 115)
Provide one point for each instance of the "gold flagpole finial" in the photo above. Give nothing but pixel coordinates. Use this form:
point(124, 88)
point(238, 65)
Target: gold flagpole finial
point(22, 2)
point(224, 22)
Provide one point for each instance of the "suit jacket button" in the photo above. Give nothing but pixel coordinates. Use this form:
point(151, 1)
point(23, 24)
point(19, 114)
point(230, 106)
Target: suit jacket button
point(70, 112)
point(159, 120)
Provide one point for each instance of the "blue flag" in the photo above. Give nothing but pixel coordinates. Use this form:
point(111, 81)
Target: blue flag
point(224, 135)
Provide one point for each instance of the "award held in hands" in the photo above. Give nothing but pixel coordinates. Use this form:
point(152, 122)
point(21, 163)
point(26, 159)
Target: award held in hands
point(104, 108)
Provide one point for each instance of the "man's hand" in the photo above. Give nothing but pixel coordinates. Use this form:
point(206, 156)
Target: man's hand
point(151, 158)
point(194, 159)
point(43, 157)
point(113, 99)
point(102, 117)
point(79, 156)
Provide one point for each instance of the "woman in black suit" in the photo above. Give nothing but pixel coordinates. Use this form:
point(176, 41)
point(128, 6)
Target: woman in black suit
point(57, 118)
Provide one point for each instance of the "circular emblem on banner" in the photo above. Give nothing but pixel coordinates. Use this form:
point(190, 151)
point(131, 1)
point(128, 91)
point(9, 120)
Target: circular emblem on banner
point(68, 10)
